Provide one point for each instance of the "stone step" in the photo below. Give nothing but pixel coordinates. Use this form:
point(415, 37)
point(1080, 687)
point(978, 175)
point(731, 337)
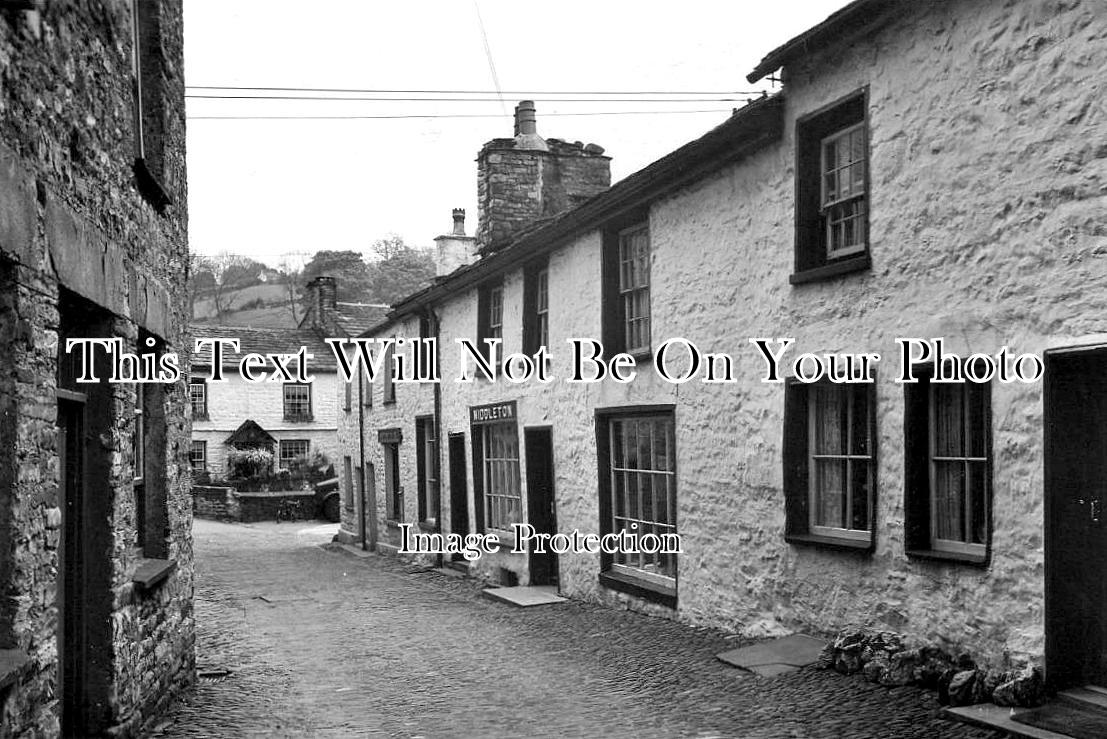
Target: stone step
point(1090, 696)
point(991, 716)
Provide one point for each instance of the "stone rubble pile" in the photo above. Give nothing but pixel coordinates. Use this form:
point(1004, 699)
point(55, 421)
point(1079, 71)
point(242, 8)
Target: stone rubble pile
point(889, 659)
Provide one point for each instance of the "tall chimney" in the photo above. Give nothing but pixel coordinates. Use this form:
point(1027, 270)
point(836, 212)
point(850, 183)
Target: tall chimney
point(525, 178)
point(455, 249)
point(324, 296)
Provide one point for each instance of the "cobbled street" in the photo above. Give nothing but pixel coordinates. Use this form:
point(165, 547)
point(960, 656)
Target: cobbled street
point(319, 642)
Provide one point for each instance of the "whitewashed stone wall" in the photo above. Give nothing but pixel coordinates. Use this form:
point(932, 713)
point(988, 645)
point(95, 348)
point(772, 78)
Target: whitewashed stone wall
point(989, 181)
point(232, 402)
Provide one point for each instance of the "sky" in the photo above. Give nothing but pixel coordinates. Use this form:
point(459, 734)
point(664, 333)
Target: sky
point(278, 190)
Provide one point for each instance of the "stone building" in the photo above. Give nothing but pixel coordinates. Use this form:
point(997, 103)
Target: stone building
point(96, 572)
point(929, 170)
point(291, 418)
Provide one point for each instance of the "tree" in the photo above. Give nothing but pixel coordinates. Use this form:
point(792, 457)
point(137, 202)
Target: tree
point(217, 277)
point(399, 270)
point(291, 268)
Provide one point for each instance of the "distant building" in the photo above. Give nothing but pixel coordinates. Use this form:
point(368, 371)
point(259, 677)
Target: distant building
point(292, 419)
point(96, 570)
point(929, 170)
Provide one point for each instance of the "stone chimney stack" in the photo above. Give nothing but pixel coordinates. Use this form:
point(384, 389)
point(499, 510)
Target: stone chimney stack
point(455, 249)
point(324, 296)
point(526, 178)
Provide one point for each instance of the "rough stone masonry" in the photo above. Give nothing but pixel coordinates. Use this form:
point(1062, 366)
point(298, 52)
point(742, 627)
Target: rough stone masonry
point(96, 575)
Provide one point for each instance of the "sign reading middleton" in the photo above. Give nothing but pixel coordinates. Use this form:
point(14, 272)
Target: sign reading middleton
point(492, 413)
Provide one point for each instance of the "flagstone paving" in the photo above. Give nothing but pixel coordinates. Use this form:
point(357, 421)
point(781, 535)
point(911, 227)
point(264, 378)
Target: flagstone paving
point(297, 640)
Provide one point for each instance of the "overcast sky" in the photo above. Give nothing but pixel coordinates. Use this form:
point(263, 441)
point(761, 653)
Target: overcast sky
point(270, 188)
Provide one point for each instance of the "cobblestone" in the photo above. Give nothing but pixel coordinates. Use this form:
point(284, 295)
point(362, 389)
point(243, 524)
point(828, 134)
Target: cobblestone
point(322, 643)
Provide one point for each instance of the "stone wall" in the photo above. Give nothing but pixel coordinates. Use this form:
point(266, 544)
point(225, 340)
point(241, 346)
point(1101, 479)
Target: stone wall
point(987, 181)
point(78, 224)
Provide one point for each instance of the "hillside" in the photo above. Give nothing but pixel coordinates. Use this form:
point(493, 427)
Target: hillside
point(256, 306)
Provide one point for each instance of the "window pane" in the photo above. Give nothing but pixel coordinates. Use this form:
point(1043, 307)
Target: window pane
point(830, 419)
point(949, 500)
point(978, 496)
point(949, 423)
point(860, 491)
point(830, 492)
point(977, 420)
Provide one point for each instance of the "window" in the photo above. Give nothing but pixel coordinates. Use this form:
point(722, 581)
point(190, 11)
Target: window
point(634, 287)
point(427, 460)
point(496, 465)
point(149, 450)
point(297, 401)
point(389, 385)
point(292, 453)
point(829, 463)
point(638, 493)
point(949, 486)
point(366, 391)
point(626, 300)
point(832, 191)
point(490, 317)
point(536, 307)
point(150, 111)
point(348, 483)
point(198, 456)
point(198, 398)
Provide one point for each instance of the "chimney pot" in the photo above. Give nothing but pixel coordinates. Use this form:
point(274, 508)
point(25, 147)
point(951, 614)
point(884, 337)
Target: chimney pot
point(526, 122)
point(459, 222)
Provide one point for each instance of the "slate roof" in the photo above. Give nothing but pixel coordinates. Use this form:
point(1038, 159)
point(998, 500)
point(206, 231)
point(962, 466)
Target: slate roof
point(264, 341)
point(353, 318)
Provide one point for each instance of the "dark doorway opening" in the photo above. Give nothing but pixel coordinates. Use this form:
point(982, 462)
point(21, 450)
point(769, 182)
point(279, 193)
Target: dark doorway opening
point(1076, 526)
point(84, 418)
point(459, 490)
point(542, 511)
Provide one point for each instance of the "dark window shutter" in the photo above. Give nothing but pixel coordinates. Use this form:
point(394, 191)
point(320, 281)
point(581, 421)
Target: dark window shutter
point(916, 445)
point(795, 459)
point(530, 308)
point(478, 476)
point(614, 333)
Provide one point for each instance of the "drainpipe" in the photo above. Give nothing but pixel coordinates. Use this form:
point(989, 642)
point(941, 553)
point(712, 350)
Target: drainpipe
point(433, 318)
point(361, 457)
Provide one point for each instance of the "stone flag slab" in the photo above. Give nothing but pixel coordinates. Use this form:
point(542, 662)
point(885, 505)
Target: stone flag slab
point(525, 596)
point(775, 657)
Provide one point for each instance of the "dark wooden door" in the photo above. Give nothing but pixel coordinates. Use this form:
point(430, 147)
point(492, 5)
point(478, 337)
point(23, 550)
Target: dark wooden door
point(459, 489)
point(1076, 527)
point(541, 510)
point(71, 641)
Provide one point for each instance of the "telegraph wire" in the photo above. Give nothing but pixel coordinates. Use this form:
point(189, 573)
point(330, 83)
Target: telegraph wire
point(491, 64)
point(442, 115)
point(474, 92)
point(459, 99)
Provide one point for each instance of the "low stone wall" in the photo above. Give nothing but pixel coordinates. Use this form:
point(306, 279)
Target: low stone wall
point(211, 501)
point(890, 659)
point(287, 505)
point(227, 504)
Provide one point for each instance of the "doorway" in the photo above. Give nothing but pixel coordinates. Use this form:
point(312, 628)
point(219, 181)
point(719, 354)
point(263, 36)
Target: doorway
point(1075, 523)
point(542, 511)
point(459, 490)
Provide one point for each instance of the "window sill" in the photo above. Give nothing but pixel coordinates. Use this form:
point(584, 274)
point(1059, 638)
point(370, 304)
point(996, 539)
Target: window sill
point(640, 588)
point(831, 542)
point(834, 269)
point(153, 572)
point(428, 525)
point(392, 523)
point(976, 560)
point(14, 664)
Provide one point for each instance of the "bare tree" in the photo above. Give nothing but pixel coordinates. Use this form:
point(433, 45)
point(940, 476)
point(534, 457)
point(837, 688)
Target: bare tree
point(291, 267)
